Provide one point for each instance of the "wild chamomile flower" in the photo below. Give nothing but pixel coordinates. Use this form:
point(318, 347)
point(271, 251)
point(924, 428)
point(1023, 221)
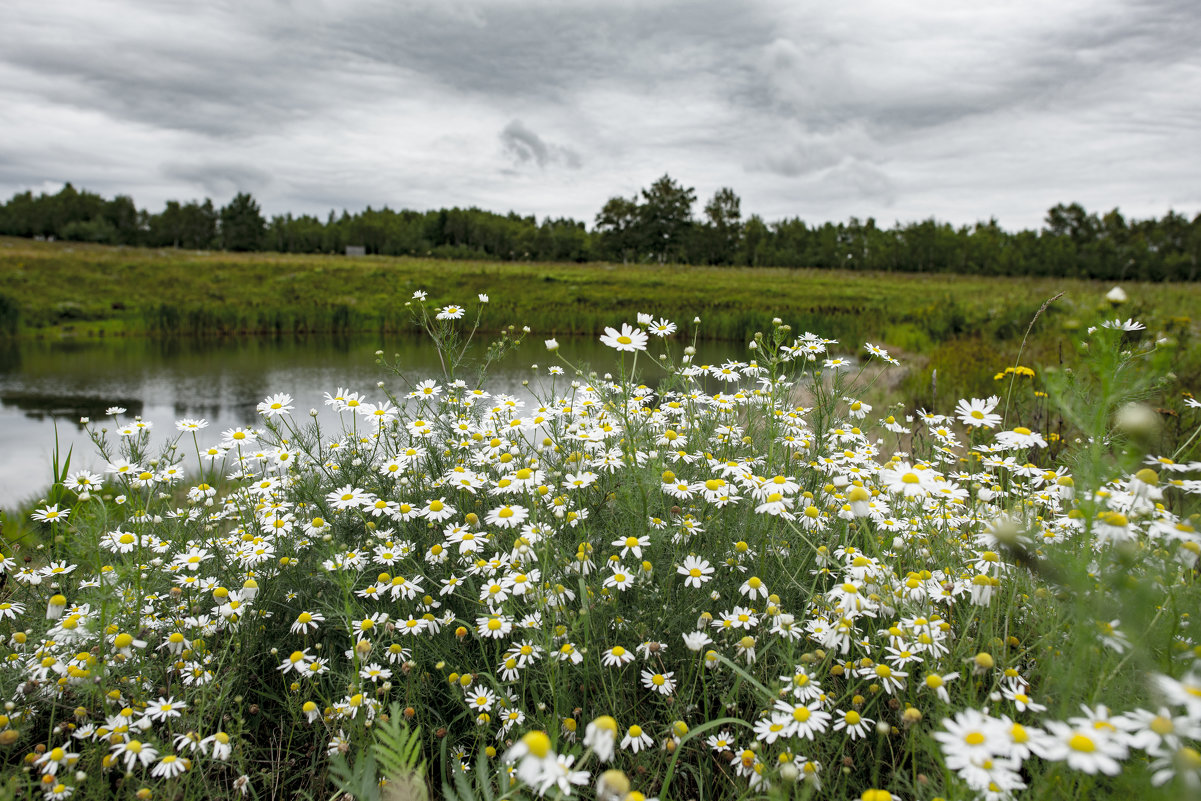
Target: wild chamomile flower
point(803, 720)
point(533, 756)
point(1126, 325)
point(627, 339)
point(133, 752)
point(754, 587)
point(696, 571)
point(170, 766)
point(661, 327)
point(971, 737)
point(1020, 438)
point(662, 683)
point(632, 544)
point(480, 698)
point(617, 656)
point(50, 514)
point(978, 412)
point(601, 736)
point(856, 725)
point(1086, 748)
point(621, 578)
point(508, 516)
point(275, 405)
point(636, 739)
point(164, 709)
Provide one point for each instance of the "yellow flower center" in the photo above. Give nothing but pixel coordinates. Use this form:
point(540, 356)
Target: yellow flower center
point(1082, 743)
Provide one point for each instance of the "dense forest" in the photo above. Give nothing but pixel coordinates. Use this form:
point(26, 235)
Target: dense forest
point(656, 225)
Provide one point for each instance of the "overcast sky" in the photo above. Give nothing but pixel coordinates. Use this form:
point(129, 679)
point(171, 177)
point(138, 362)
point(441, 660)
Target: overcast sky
point(823, 110)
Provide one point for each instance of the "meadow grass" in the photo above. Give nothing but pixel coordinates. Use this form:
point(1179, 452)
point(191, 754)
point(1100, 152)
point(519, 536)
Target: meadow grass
point(746, 582)
point(188, 292)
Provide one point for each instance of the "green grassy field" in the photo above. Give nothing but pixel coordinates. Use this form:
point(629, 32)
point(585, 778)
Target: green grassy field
point(214, 292)
point(965, 327)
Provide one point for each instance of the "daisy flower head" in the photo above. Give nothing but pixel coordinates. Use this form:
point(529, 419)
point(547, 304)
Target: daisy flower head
point(1087, 748)
point(451, 312)
point(133, 752)
point(50, 761)
point(627, 339)
point(164, 708)
point(662, 328)
point(1020, 438)
point(636, 739)
point(480, 698)
point(50, 514)
point(803, 720)
point(1185, 691)
point(437, 510)
point(1182, 762)
point(617, 656)
point(1127, 325)
point(83, 480)
point(937, 684)
point(979, 412)
point(275, 405)
point(632, 545)
point(507, 516)
point(298, 661)
point(908, 481)
point(970, 738)
point(170, 766)
point(559, 774)
point(696, 571)
point(533, 755)
point(880, 353)
point(662, 683)
point(601, 737)
point(621, 579)
point(856, 725)
point(752, 587)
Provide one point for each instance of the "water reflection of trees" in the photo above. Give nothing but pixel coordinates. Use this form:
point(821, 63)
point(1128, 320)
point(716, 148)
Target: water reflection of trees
point(39, 406)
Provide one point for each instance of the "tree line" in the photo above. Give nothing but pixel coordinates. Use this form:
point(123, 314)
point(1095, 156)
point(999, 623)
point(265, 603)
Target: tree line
point(658, 224)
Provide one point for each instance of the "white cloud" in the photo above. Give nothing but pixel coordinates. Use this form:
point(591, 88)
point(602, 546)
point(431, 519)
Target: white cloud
point(898, 110)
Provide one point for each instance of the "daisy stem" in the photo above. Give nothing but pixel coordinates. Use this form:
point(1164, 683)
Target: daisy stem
point(1187, 443)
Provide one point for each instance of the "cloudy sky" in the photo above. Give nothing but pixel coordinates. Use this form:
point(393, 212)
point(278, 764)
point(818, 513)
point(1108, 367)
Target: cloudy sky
point(892, 109)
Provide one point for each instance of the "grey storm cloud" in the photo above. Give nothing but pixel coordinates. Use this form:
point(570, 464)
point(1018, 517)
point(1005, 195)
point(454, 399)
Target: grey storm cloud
point(219, 180)
point(825, 110)
point(525, 146)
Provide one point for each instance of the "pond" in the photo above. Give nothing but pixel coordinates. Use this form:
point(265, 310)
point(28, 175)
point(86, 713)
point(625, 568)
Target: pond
point(46, 385)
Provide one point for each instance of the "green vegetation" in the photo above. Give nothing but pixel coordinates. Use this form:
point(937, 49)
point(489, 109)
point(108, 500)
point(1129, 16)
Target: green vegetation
point(965, 327)
point(677, 593)
point(209, 293)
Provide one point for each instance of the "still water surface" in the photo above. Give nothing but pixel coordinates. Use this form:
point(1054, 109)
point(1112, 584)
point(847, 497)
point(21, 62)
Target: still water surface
point(44, 383)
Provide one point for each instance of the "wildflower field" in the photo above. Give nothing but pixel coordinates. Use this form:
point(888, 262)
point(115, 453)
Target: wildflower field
point(742, 582)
